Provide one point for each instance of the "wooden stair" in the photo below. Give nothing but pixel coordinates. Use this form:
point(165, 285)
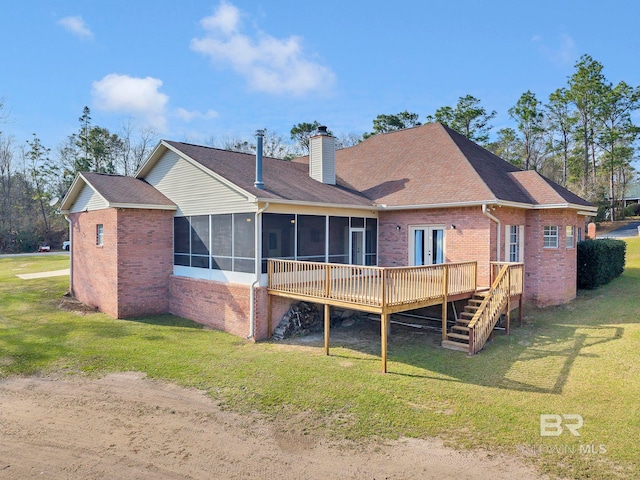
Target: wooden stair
point(458, 337)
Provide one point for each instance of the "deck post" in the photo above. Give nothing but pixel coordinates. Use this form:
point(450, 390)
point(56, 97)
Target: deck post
point(445, 293)
point(327, 280)
point(520, 309)
point(269, 305)
point(269, 314)
point(508, 315)
point(327, 327)
point(384, 317)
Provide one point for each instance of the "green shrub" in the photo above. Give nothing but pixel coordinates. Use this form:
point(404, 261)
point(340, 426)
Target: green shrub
point(599, 262)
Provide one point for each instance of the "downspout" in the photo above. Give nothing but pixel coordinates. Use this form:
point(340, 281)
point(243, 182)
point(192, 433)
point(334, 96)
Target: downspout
point(258, 268)
point(486, 213)
point(66, 217)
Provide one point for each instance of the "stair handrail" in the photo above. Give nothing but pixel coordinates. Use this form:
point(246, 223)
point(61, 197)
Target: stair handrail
point(489, 311)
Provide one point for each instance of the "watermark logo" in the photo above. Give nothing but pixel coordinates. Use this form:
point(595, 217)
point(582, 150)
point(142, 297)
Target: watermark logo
point(552, 425)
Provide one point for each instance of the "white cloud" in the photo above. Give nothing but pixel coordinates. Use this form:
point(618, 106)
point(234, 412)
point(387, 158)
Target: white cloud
point(188, 115)
point(77, 26)
point(271, 65)
point(226, 19)
point(563, 54)
point(138, 97)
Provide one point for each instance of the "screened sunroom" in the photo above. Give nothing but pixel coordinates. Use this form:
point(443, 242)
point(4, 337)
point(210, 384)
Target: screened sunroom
point(223, 246)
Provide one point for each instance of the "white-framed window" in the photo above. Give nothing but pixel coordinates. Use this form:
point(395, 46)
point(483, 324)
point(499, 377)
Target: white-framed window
point(100, 234)
point(514, 243)
point(550, 235)
point(570, 236)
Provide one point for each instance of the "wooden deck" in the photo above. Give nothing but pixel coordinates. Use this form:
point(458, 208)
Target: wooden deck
point(382, 290)
point(372, 289)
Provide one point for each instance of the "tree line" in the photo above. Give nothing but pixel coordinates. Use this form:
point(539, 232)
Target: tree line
point(33, 178)
point(582, 137)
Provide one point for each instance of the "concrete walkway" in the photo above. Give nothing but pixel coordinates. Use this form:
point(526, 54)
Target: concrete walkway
point(54, 273)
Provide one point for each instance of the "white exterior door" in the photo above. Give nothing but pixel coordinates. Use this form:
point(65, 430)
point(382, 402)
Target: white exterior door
point(357, 246)
point(426, 245)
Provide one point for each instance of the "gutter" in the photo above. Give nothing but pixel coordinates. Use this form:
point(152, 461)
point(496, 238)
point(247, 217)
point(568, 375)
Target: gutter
point(486, 213)
point(496, 202)
point(258, 268)
point(277, 201)
point(66, 217)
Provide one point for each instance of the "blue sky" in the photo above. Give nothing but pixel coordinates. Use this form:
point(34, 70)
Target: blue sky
point(198, 70)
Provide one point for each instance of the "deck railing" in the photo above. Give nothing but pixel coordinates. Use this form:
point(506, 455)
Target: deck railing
point(506, 282)
point(374, 287)
point(516, 275)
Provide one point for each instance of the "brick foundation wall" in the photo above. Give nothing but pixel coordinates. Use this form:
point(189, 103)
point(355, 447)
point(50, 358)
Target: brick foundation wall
point(223, 306)
point(279, 306)
point(95, 267)
point(145, 261)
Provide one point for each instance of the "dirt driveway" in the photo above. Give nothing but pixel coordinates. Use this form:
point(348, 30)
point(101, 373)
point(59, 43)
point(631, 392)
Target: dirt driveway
point(126, 426)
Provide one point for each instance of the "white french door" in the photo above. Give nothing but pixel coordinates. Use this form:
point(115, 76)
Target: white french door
point(426, 245)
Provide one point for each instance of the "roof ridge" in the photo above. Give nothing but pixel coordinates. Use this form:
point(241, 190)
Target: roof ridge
point(449, 131)
point(208, 147)
point(106, 174)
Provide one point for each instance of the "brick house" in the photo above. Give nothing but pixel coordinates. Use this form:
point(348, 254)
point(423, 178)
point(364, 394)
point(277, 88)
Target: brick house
point(192, 232)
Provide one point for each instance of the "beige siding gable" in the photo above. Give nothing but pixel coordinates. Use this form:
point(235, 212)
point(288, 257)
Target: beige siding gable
point(88, 200)
point(193, 190)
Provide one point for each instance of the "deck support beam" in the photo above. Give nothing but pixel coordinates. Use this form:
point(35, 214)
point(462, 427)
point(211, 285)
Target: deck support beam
point(507, 318)
point(445, 294)
point(269, 315)
point(520, 302)
point(384, 319)
point(327, 327)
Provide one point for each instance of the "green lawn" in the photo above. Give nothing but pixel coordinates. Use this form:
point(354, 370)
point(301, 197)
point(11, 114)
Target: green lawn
point(580, 358)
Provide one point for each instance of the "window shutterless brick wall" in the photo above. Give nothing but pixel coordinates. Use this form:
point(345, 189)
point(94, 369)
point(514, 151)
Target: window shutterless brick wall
point(131, 273)
point(469, 241)
point(95, 267)
point(550, 273)
point(128, 275)
point(145, 261)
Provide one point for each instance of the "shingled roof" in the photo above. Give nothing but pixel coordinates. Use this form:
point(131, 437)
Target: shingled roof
point(432, 165)
point(118, 191)
point(283, 180)
point(418, 167)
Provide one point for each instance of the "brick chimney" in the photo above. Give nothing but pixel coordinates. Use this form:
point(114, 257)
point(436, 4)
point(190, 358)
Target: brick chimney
point(322, 157)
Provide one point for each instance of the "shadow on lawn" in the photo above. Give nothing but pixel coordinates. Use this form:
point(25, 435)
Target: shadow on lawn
point(537, 357)
point(531, 359)
point(167, 321)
